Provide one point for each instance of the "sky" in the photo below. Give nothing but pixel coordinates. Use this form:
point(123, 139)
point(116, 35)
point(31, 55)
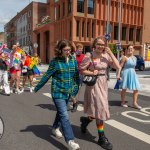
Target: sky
point(9, 8)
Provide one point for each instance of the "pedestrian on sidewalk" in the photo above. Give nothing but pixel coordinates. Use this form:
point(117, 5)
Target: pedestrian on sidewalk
point(96, 96)
point(79, 57)
point(128, 76)
point(4, 74)
point(65, 83)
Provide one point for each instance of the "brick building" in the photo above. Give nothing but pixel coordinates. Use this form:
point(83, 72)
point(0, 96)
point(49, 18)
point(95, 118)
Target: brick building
point(20, 28)
point(83, 20)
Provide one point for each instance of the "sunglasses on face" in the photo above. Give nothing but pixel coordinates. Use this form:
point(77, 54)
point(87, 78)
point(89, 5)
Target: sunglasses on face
point(66, 50)
point(99, 44)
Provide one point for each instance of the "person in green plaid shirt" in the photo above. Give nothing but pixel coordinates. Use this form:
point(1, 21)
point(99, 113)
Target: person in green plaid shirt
point(65, 84)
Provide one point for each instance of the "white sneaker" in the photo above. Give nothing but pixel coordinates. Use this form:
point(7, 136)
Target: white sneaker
point(34, 79)
point(73, 146)
point(31, 89)
point(11, 91)
point(22, 90)
point(56, 132)
point(17, 91)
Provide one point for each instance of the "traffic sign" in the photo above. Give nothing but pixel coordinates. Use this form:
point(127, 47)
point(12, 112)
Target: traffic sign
point(107, 37)
point(118, 46)
point(35, 45)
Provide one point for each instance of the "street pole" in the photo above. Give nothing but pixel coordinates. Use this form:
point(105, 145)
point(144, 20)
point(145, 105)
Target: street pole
point(119, 27)
point(108, 19)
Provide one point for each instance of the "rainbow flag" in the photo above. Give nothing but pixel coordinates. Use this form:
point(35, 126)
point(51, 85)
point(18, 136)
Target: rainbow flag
point(19, 50)
point(36, 70)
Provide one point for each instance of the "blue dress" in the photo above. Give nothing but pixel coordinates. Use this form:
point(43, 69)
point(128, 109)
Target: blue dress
point(128, 75)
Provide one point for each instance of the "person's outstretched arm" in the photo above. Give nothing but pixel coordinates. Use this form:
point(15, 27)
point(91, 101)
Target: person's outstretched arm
point(46, 76)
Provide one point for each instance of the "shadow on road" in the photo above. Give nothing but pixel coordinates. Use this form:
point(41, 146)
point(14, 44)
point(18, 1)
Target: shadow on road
point(44, 132)
point(84, 136)
point(47, 106)
point(114, 103)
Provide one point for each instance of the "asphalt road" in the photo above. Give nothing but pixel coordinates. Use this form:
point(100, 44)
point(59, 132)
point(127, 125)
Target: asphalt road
point(28, 118)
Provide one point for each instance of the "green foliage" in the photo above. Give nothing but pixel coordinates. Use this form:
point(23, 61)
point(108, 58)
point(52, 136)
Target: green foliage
point(113, 48)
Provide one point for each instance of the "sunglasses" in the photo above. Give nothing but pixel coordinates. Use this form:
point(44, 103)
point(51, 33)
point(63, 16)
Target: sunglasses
point(66, 50)
point(99, 44)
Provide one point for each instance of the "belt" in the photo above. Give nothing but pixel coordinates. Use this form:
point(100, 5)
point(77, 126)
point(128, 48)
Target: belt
point(101, 74)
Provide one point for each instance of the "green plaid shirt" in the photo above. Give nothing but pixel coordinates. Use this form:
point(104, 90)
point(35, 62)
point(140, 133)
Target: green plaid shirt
point(65, 78)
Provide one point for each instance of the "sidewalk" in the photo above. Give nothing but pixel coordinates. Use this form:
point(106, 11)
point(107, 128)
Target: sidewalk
point(144, 80)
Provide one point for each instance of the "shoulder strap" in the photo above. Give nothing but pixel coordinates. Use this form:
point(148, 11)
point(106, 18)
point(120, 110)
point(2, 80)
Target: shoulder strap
point(92, 59)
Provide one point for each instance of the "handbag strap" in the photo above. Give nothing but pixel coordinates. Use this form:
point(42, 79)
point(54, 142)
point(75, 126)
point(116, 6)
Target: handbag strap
point(92, 60)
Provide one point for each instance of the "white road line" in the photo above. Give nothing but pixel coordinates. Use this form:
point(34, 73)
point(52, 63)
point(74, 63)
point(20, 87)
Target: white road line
point(128, 130)
point(127, 114)
point(48, 95)
point(1, 127)
point(79, 108)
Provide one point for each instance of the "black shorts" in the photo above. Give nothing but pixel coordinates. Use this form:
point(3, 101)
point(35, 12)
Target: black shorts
point(28, 73)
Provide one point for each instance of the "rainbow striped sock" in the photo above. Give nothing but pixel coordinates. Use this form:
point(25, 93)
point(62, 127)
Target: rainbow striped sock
point(100, 128)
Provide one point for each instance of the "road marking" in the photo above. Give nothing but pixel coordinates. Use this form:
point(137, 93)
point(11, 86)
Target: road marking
point(48, 95)
point(1, 128)
point(128, 130)
point(80, 107)
point(145, 110)
point(126, 114)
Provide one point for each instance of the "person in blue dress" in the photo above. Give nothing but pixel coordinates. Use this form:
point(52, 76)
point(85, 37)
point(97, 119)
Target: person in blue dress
point(129, 77)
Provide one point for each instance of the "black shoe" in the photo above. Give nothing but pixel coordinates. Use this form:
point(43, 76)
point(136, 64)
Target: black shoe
point(74, 109)
point(7, 94)
point(104, 143)
point(84, 123)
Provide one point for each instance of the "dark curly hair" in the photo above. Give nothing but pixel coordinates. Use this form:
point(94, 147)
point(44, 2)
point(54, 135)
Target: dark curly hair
point(61, 44)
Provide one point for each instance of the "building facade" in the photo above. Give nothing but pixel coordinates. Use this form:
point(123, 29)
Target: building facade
point(20, 28)
point(84, 20)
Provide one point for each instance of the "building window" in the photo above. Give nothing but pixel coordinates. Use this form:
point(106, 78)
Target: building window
point(29, 13)
point(63, 9)
point(29, 26)
point(69, 6)
point(90, 6)
point(83, 29)
point(77, 31)
point(138, 34)
point(115, 32)
point(80, 6)
point(131, 34)
point(124, 33)
point(88, 27)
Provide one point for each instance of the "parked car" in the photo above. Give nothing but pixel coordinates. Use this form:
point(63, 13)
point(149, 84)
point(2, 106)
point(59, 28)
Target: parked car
point(140, 63)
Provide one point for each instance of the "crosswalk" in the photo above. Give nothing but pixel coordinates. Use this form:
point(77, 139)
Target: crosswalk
point(123, 127)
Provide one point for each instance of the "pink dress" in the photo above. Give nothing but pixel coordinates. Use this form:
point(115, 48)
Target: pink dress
point(96, 97)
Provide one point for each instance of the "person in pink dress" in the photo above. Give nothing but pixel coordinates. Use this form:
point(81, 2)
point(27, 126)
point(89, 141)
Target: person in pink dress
point(96, 97)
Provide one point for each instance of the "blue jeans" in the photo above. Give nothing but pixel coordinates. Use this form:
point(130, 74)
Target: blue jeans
point(62, 119)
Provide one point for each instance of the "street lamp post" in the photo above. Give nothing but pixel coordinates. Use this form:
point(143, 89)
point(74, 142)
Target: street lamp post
point(119, 27)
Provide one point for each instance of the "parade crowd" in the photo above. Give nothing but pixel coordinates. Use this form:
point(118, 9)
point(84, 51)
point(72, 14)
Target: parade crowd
point(69, 69)
point(13, 64)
